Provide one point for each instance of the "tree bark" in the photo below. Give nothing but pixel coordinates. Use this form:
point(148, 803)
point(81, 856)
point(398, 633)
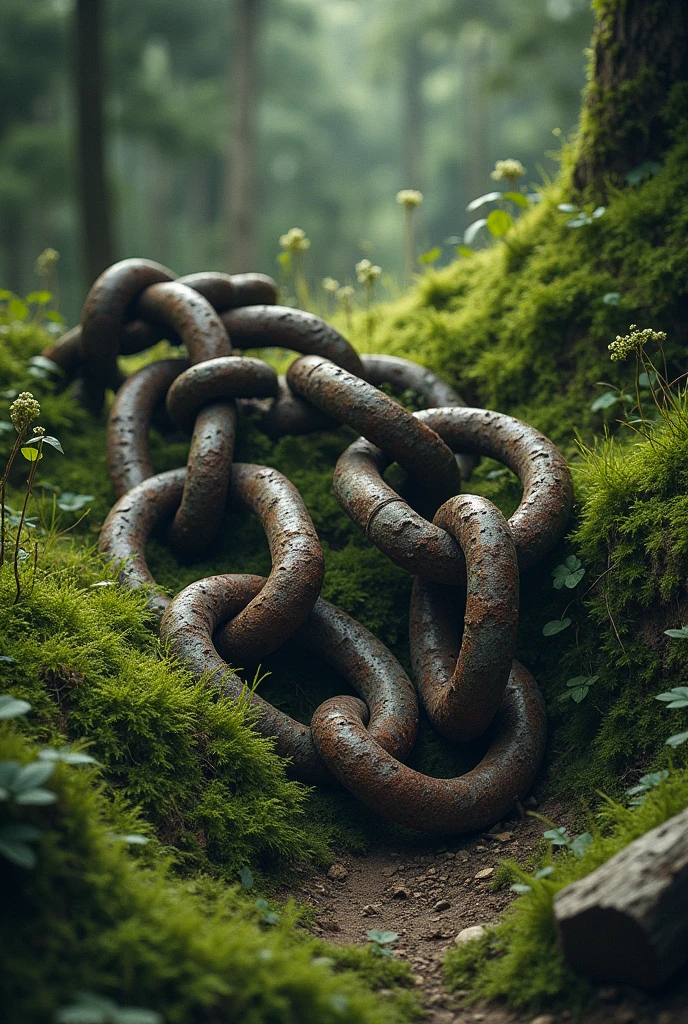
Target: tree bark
point(243, 169)
point(639, 53)
point(627, 922)
point(92, 175)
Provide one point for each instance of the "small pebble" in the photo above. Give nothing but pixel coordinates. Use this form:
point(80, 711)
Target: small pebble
point(400, 893)
point(485, 873)
point(441, 905)
point(476, 931)
point(337, 872)
point(544, 1018)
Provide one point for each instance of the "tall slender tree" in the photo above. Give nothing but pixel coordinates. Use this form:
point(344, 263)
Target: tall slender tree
point(243, 163)
point(94, 193)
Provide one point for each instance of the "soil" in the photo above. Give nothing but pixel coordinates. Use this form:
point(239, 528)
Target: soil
point(428, 890)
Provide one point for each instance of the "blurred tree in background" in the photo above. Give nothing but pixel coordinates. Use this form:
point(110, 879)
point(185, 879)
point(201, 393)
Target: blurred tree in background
point(226, 122)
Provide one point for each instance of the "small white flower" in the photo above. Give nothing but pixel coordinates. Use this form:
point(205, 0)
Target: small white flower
point(329, 284)
point(24, 410)
point(367, 273)
point(508, 170)
point(624, 345)
point(409, 198)
point(295, 240)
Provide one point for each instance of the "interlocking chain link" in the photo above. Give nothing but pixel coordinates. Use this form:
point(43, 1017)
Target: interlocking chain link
point(463, 619)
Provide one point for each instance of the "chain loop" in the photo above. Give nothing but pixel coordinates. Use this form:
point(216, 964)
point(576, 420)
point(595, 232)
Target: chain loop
point(464, 606)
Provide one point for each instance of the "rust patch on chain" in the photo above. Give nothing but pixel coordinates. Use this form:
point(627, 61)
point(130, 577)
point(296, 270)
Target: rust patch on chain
point(386, 423)
point(464, 608)
point(427, 550)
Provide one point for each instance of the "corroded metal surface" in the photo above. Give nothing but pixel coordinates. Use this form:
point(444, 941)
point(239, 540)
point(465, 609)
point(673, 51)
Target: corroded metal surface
point(462, 702)
point(383, 421)
point(426, 549)
point(464, 608)
point(443, 806)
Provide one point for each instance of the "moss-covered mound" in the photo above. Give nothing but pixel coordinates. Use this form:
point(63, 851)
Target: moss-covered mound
point(90, 917)
point(524, 326)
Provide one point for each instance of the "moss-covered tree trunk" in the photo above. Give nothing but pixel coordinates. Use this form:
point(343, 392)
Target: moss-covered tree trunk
point(639, 54)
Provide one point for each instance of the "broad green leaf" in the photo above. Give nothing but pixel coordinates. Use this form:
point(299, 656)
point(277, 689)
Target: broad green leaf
point(582, 681)
point(70, 502)
point(569, 574)
point(18, 832)
point(66, 756)
point(472, 230)
point(38, 298)
point(516, 197)
point(521, 887)
point(10, 707)
point(50, 367)
point(643, 171)
point(604, 401)
point(17, 309)
point(611, 298)
point(558, 836)
point(52, 441)
point(5, 659)
point(675, 698)
point(133, 838)
point(555, 626)
point(382, 938)
point(567, 207)
point(136, 1015)
point(431, 255)
point(678, 739)
point(499, 222)
point(246, 877)
point(31, 775)
point(581, 844)
point(545, 872)
point(31, 454)
point(8, 773)
point(262, 904)
point(678, 634)
point(644, 380)
point(489, 197)
point(598, 212)
point(54, 316)
point(36, 797)
point(580, 693)
point(19, 853)
point(463, 250)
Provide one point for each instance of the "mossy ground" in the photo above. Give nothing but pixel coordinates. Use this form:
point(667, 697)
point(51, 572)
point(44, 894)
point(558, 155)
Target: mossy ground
point(522, 328)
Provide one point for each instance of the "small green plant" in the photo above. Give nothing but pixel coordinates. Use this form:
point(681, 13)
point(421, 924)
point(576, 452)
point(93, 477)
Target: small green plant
point(294, 243)
point(345, 298)
point(521, 887)
point(380, 942)
point(569, 574)
point(676, 698)
point(367, 274)
point(645, 783)
point(267, 916)
point(498, 222)
point(578, 688)
point(90, 1008)
point(582, 216)
point(559, 836)
point(410, 199)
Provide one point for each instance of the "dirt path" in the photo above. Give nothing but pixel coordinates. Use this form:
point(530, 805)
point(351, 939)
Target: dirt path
point(428, 891)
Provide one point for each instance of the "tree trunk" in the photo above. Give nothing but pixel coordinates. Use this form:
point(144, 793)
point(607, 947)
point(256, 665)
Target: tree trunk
point(412, 117)
point(92, 176)
point(627, 922)
point(242, 181)
point(639, 52)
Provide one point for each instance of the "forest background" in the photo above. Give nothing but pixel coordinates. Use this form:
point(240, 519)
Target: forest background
point(226, 123)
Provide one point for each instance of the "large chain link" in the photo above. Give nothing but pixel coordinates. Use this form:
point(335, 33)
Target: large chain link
point(464, 607)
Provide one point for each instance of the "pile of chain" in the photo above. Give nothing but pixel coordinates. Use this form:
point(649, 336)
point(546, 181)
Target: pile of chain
point(466, 562)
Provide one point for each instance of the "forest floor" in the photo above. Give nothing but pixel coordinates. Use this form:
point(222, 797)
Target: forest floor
point(428, 890)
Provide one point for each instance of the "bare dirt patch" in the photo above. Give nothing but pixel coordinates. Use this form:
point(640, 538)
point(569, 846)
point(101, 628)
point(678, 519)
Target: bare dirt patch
point(428, 890)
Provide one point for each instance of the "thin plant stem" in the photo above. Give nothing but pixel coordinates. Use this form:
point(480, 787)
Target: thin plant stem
point(29, 484)
point(410, 245)
point(3, 484)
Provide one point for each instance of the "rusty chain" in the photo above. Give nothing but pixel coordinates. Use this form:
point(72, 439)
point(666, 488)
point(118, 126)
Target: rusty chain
point(466, 561)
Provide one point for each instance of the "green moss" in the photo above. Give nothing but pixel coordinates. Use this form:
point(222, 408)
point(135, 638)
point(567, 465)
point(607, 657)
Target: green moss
point(524, 329)
point(90, 916)
point(86, 659)
point(519, 960)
